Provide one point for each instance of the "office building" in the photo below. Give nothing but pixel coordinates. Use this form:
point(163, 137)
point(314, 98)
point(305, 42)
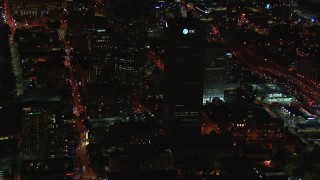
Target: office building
point(218, 72)
point(309, 69)
point(184, 62)
point(46, 133)
point(34, 131)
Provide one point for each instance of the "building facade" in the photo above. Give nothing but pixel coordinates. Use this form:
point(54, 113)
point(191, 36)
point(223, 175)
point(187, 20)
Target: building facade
point(218, 73)
point(184, 61)
point(34, 131)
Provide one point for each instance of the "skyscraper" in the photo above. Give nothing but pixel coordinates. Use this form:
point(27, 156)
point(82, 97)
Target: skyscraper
point(47, 133)
point(218, 72)
point(184, 63)
point(34, 131)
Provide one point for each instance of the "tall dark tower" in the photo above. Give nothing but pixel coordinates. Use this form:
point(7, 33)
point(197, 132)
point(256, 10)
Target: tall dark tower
point(184, 64)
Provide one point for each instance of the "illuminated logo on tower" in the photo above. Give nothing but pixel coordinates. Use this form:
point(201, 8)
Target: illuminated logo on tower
point(188, 31)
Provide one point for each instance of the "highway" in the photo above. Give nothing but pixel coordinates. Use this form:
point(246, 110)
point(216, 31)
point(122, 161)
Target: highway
point(261, 65)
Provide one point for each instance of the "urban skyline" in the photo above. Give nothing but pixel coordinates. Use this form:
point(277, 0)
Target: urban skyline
point(159, 89)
